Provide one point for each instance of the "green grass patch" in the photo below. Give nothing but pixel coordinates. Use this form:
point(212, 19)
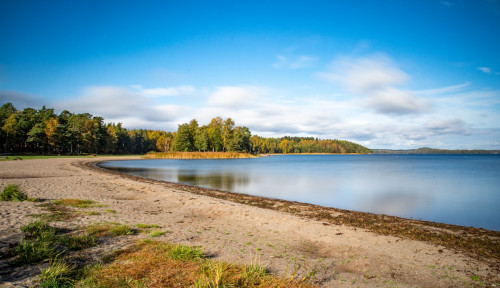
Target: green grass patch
point(38, 229)
point(109, 229)
point(182, 252)
point(158, 233)
point(78, 242)
point(31, 157)
point(77, 203)
point(12, 192)
point(58, 275)
point(146, 226)
point(43, 242)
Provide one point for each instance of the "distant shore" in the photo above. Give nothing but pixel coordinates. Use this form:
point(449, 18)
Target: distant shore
point(335, 246)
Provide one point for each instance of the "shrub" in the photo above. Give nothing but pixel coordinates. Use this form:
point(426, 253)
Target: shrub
point(12, 192)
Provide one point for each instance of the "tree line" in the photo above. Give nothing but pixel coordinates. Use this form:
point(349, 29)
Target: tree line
point(44, 132)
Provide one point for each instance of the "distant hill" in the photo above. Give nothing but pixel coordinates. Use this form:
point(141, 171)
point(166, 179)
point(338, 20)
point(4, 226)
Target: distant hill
point(427, 150)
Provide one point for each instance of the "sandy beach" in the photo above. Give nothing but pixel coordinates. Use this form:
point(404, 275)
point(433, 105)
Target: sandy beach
point(287, 243)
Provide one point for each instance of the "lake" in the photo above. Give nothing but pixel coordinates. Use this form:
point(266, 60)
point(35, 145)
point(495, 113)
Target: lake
point(461, 189)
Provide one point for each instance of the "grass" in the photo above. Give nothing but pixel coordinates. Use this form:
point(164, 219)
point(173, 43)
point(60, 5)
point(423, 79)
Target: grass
point(12, 192)
point(160, 264)
point(182, 252)
point(109, 229)
point(56, 213)
point(43, 242)
point(158, 233)
point(59, 210)
point(146, 226)
point(77, 203)
point(198, 155)
point(31, 157)
point(58, 274)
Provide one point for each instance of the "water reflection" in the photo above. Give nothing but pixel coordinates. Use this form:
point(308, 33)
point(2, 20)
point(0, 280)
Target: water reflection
point(396, 202)
point(445, 188)
point(219, 180)
point(224, 181)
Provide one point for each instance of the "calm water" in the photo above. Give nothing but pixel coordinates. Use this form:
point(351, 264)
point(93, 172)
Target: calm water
point(455, 189)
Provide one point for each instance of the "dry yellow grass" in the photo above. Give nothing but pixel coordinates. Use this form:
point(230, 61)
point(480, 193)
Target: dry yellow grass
point(152, 264)
point(198, 155)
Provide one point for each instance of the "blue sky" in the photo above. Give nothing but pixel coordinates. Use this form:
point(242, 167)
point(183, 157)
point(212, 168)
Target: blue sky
point(386, 74)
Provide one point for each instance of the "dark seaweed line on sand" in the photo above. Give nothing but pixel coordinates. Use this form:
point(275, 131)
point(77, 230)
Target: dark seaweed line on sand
point(476, 242)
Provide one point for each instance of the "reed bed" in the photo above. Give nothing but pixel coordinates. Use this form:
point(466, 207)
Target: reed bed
point(198, 155)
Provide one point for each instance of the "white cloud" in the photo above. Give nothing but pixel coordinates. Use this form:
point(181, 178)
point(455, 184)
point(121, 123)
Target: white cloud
point(130, 107)
point(297, 62)
point(486, 70)
point(165, 91)
point(393, 101)
point(376, 79)
point(236, 96)
point(453, 126)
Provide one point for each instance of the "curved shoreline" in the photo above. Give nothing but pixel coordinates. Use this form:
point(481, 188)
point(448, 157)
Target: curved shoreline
point(477, 242)
point(332, 247)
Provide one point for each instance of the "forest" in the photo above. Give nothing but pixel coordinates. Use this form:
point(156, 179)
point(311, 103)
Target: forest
point(42, 131)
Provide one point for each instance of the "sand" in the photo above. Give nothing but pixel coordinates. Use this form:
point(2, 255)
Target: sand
point(287, 244)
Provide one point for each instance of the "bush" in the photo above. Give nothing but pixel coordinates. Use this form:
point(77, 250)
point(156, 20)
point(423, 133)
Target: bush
point(12, 192)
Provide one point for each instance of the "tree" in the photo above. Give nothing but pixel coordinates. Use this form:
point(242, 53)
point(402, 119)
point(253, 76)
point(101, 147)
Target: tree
point(227, 134)
point(9, 128)
point(50, 131)
point(215, 134)
point(285, 145)
point(37, 136)
point(164, 142)
point(201, 139)
point(184, 138)
point(241, 139)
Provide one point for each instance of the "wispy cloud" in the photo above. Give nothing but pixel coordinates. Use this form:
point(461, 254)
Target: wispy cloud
point(486, 70)
point(296, 62)
point(453, 126)
point(20, 100)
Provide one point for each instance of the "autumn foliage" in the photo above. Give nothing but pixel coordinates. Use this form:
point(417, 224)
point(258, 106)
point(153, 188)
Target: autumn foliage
point(42, 131)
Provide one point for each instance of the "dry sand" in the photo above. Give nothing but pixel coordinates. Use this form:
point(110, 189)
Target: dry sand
point(288, 245)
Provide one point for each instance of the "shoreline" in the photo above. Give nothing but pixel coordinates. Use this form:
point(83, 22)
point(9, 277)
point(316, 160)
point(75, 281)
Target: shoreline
point(335, 247)
point(377, 223)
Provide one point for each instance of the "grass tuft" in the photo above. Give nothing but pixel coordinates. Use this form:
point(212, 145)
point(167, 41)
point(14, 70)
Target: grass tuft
point(182, 252)
point(146, 226)
point(78, 242)
point(39, 229)
point(109, 229)
point(34, 251)
point(58, 274)
point(77, 203)
point(158, 233)
point(12, 192)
